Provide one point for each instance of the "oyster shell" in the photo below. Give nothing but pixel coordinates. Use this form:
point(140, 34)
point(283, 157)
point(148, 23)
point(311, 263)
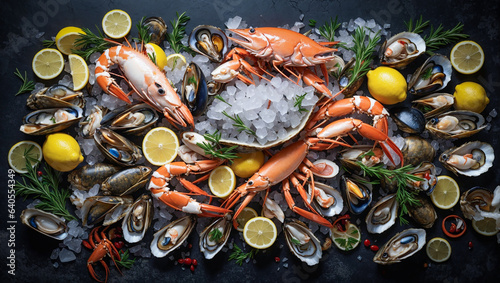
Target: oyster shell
point(358, 193)
point(126, 181)
point(51, 120)
point(401, 49)
point(302, 242)
point(209, 41)
point(137, 219)
point(271, 209)
point(327, 200)
point(409, 120)
point(345, 78)
point(417, 150)
point(87, 176)
point(350, 156)
point(131, 120)
point(45, 223)
point(470, 159)
point(116, 147)
point(479, 203)
point(210, 244)
point(403, 245)
point(108, 208)
point(194, 91)
point(456, 124)
point(424, 214)
point(172, 235)
point(89, 124)
point(432, 76)
point(434, 104)
point(382, 215)
point(157, 29)
point(56, 96)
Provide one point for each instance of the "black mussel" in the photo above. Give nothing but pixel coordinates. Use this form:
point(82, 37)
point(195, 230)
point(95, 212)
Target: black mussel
point(409, 120)
point(157, 29)
point(209, 41)
point(194, 92)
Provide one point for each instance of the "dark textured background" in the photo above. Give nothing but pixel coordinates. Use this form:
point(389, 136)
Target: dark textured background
point(21, 21)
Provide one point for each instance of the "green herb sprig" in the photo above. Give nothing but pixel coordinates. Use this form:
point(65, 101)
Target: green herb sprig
point(418, 27)
point(222, 99)
point(89, 43)
point(240, 256)
point(312, 23)
point(46, 190)
point(238, 123)
point(125, 261)
point(215, 235)
point(27, 84)
point(439, 37)
point(143, 32)
point(178, 32)
point(298, 102)
point(213, 147)
point(48, 43)
point(329, 28)
point(363, 53)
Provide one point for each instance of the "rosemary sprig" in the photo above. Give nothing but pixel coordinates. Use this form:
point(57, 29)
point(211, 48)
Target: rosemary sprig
point(222, 99)
point(238, 123)
point(418, 26)
point(328, 29)
point(298, 102)
point(178, 32)
point(240, 256)
point(312, 23)
point(27, 85)
point(89, 42)
point(46, 190)
point(125, 261)
point(363, 53)
point(143, 32)
point(405, 198)
point(214, 148)
point(439, 37)
point(48, 43)
point(215, 235)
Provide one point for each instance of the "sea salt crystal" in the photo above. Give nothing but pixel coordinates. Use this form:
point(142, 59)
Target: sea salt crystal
point(56, 264)
point(261, 133)
point(387, 26)
point(94, 56)
point(360, 22)
point(493, 113)
point(75, 245)
point(94, 190)
point(295, 120)
point(359, 258)
point(135, 249)
point(370, 23)
point(34, 203)
point(267, 115)
point(66, 255)
point(55, 253)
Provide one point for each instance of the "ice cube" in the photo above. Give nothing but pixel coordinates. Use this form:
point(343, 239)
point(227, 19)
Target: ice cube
point(267, 115)
point(55, 253)
point(66, 255)
point(233, 23)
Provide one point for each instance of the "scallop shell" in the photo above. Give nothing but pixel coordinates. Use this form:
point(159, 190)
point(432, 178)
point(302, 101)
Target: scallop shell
point(482, 152)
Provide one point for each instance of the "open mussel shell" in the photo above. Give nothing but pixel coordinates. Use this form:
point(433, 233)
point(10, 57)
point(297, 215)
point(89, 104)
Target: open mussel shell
point(403, 245)
point(345, 77)
point(89, 124)
point(87, 176)
point(408, 119)
point(157, 29)
point(401, 49)
point(382, 215)
point(45, 223)
point(194, 91)
point(434, 104)
point(209, 41)
point(470, 159)
point(302, 242)
point(126, 181)
point(432, 76)
point(138, 219)
point(51, 120)
point(116, 147)
point(424, 213)
point(108, 208)
point(417, 150)
point(456, 124)
point(56, 96)
point(327, 200)
point(131, 120)
point(358, 193)
point(210, 244)
point(172, 235)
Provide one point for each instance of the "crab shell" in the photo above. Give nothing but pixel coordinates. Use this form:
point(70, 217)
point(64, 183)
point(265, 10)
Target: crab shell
point(438, 108)
point(45, 223)
point(403, 245)
point(469, 123)
point(416, 39)
point(56, 96)
point(440, 75)
point(163, 243)
point(208, 246)
point(382, 215)
point(482, 152)
point(138, 219)
point(308, 248)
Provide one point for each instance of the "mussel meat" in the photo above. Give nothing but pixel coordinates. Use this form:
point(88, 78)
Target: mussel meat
point(138, 219)
point(116, 147)
point(325, 199)
point(382, 215)
point(47, 121)
point(45, 223)
point(56, 96)
point(172, 235)
point(401, 49)
point(133, 120)
point(302, 242)
point(126, 181)
point(209, 41)
point(434, 104)
point(108, 208)
point(456, 124)
point(87, 176)
point(432, 76)
point(403, 245)
point(194, 91)
point(409, 120)
point(358, 193)
point(470, 159)
point(214, 236)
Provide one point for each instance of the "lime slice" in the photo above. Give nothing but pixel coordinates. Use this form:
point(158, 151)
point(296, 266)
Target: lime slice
point(348, 239)
point(438, 249)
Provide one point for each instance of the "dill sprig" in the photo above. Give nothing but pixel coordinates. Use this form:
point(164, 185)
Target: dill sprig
point(329, 28)
point(143, 32)
point(417, 27)
point(298, 102)
point(363, 53)
point(48, 43)
point(213, 147)
point(240, 256)
point(89, 43)
point(439, 37)
point(45, 189)
point(178, 32)
point(27, 85)
point(125, 261)
point(238, 123)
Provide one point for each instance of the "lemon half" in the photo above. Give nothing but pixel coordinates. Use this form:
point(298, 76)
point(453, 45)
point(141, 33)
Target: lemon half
point(79, 71)
point(65, 39)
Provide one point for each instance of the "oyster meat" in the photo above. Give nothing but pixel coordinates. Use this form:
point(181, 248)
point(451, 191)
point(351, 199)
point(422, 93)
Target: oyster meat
point(56, 96)
point(403, 245)
point(434, 104)
point(47, 121)
point(382, 215)
point(45, 223)
point(138, 219)
point(325, 199)
point(214, 236)
point(470, 159)
point(172, 235)
point(401, 49)
point(479, 203)
point(456, 124)
point(302, 242)
point(131, 120)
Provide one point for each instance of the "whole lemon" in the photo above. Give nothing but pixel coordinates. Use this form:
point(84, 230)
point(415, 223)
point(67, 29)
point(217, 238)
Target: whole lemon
point(470, 96)
point(387, 85)
point(247, 163)
point(62, 152)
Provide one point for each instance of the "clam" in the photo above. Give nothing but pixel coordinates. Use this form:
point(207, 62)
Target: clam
point(401, 49)
point(326, 200)
point(302, 242)
point(409, 120)
point(108, 208)
point(209, 41)
point(417, 150)
point(56, 96)
point(427, 172)
point(403, 245)
point(434, 104)
point(116, 147)
point(192, 139)
point(478, 203)
point(214, 87)
point(432, 76)
point(45, 223)
point(358, 193)
point(47, 121)
point(194, 91)
point(157, 29)
point(382, 215)
point(470, 159)
point(89, 124)
point(456, 124)
point(137, 219)
point(126, 181)
point(424, 214)
point(366, 154)
point(271, 209)
point(214, 236)
point(87, 176)
point(344, 78)
point(172, 235)
point(131, 120)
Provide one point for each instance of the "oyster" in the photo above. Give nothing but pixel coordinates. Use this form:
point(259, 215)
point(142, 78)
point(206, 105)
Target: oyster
point(325, 168)
point(126, 181)
point(409, 120)
point(470, 159)
point(194, 91)
point(172, 235)
point(335, 66)
point(137, 219)
point(45, 223)
point(434, 104)
point(87, 176)
point(302, 242)
point(424, 214)
point(432, 76)
point(92, 122)
point(108, 208)
point(426, 171)
point(214, 236)
point(209, 41)
point(456, 124)
point(401, 49)
point(116, 147)
point(192, 139)
point(271, 209)
point(479, 203)
point(403, 245)
point(350, 156)
point(47, 121)
point(417, 150)
point(131, 120)
point(358, 193)
point(56, 96)
point(326, 200)
point(382, 215)
point(157, 29)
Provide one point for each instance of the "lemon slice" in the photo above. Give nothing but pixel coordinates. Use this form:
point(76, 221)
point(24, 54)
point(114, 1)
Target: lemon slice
point(116, 23)
point(79, 71)
point(17, 161)
point(65, 39)
point(160, 146)
point(485, 227)
point(438, 249)
point(155, 52)
point(260, 232)
point(222, 181)
point(346, 240)
point(48, 63)
point(246, 214)
point(446, 193)
point(176, 60)
point(467, 57)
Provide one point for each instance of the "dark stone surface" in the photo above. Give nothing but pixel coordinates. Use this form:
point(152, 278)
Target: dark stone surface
point(21, 21)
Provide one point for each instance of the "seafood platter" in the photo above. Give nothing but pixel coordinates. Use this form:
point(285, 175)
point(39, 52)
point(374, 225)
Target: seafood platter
point(351, 172)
